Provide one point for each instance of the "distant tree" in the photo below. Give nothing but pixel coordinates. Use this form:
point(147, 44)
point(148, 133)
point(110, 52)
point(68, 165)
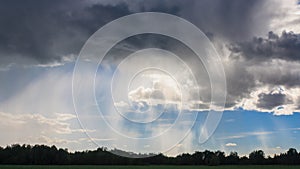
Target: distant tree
point(214, 160)
point(198, 158)
point(221, 156)
point(211, 158)
point(43, 154)
point(257, 157)
point(293, 156)
point(185, 159)
point(244, 161)
point(232, 158)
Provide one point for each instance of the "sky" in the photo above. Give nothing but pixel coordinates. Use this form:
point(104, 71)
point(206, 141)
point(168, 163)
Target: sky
point(150, 93)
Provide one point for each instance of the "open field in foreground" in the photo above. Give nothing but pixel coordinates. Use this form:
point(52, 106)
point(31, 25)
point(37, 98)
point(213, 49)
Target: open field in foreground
point(145, 167)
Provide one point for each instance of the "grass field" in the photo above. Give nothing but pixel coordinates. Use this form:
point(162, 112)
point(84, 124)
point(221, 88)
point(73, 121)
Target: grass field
point(145, 167)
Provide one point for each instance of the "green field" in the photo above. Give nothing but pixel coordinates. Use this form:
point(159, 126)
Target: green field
point(145, 167)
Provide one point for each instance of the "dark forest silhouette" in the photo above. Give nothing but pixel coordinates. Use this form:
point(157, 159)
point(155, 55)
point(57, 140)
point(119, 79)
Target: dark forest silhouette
point(45, 155)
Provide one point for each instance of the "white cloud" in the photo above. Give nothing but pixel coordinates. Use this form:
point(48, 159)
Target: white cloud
point(246, 134)
point(162, 91)
point(36, 128)
point(90, 139)
point(51, 140)
point(286, 108)
point(231, 145)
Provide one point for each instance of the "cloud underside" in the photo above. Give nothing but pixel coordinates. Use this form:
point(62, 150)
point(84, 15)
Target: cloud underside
point(270, 75)
point(262, 72)
point(269, 84)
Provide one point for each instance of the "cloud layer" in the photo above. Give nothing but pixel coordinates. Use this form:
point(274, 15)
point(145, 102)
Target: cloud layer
point(49, 32)
point(40, 41)
point(285, 46)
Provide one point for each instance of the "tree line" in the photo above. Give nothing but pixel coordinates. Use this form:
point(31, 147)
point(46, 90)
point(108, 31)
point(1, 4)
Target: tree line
point(46, 155)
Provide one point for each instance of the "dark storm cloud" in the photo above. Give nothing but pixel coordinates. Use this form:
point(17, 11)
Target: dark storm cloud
point(52, 31)
point(47, 31)
point(272, 61)
point(288, 78)
point(285, 46)
point(42, 32)
point(272, 100)
point(230, 19)
point(239, 81)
